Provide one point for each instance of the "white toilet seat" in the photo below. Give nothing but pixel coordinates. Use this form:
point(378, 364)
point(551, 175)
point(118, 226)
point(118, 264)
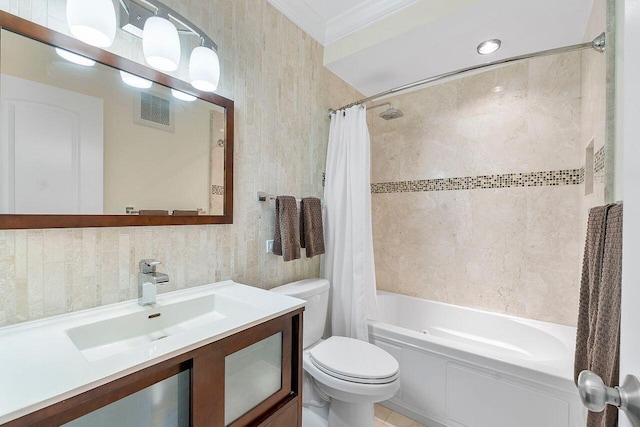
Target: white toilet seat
point(354, 360)
point(349, 391)
point(352, 371)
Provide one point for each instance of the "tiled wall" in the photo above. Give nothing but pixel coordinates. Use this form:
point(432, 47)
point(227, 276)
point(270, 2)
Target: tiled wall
point(478, 197)
point(594, 105)
point(273, 71)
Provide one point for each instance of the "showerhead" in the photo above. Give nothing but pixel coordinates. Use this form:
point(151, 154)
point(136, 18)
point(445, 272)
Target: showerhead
point(391, 113)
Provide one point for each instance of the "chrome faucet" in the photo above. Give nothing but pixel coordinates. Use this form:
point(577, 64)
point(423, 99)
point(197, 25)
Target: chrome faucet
point(148, 280)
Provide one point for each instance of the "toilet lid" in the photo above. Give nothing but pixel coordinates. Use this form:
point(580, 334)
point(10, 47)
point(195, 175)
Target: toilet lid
point(354, 360)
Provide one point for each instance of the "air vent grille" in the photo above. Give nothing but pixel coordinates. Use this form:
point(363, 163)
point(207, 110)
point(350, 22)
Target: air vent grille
point(155, 109)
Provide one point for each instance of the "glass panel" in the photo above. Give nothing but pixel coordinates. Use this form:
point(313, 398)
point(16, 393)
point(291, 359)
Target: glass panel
point(251, 376)
point(164, 404)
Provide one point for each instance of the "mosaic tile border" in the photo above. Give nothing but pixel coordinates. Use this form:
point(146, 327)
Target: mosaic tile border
point(598, 160)
point(217, 190)
point(509, 180)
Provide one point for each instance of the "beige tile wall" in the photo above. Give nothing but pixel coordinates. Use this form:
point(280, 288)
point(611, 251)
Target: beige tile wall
point(273, 71)
point(510, 250)
point(594, 87)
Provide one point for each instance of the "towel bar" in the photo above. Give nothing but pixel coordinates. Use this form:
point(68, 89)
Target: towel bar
point(263, 197)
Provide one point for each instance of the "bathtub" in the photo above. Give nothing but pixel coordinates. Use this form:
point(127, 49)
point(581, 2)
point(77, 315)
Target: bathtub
point(461, 367)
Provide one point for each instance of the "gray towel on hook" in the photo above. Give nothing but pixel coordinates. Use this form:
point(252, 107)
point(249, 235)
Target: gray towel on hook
point(598, 334)
point(286, 241)
point(311, 230)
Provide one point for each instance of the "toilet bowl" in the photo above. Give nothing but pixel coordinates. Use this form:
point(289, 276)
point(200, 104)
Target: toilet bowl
point(351, 375)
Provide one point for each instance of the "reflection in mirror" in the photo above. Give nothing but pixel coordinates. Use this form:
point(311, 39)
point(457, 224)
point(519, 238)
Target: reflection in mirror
point(81, 137)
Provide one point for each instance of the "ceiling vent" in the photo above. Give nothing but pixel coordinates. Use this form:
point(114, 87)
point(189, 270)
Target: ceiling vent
point(154, 111)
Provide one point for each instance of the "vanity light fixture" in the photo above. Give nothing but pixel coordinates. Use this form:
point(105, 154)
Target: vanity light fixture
point(135, 81)
point(92, 21)
point(204, 68)
point(133, 16)
point(182, 96)
point(161, 44)
point(160, 28)
point(489, 46)
point(76, 59)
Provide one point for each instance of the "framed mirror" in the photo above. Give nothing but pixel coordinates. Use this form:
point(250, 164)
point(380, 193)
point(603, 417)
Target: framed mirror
point(91, 139)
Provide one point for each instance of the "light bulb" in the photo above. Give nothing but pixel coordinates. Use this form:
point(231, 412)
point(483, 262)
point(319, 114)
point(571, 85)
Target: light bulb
point(92, 21)
point(161, 44)
point(204, 69)
point(135, 81)
point(75, 58)
point(182, 96)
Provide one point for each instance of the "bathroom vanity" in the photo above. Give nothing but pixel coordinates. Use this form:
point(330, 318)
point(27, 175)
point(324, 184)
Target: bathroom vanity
point(223, 354)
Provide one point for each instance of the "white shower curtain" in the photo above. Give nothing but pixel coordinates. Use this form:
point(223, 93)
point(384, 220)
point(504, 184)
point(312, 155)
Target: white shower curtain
point(348, 261)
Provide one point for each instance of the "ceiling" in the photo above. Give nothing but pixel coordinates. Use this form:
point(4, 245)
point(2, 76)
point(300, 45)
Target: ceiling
point(376, 45)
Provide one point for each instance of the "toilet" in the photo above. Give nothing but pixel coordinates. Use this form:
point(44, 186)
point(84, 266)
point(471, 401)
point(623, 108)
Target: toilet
point(350, 374)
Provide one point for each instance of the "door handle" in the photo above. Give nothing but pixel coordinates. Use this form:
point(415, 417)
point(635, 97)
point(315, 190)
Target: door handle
point(596, 396)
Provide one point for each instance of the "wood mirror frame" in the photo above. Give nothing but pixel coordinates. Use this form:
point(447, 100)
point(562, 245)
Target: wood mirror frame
point(32, 221)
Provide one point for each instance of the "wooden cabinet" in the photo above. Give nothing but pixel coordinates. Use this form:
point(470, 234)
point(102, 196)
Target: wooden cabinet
point(251, 378)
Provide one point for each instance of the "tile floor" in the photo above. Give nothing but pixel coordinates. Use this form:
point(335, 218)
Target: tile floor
point(387, 418)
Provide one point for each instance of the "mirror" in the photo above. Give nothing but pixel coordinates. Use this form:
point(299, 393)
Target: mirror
point(107, 142)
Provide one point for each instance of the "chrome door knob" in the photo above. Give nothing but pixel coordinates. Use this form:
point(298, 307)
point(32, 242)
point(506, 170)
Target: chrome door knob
point(596, 396)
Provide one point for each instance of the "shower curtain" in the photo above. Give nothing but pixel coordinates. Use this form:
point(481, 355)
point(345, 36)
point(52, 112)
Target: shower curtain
point(348, 262)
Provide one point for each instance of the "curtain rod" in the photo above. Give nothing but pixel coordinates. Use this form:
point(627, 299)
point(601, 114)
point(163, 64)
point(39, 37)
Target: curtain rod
point(597, 44)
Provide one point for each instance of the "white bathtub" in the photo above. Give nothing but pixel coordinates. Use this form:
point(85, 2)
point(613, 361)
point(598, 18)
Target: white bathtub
point(461, 367)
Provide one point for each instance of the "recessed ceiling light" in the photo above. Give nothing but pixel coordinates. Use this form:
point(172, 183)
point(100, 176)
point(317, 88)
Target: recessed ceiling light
point(489, 46)
point(76, 59)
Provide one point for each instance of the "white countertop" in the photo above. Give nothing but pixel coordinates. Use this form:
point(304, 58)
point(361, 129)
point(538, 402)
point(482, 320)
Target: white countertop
point(40, 365)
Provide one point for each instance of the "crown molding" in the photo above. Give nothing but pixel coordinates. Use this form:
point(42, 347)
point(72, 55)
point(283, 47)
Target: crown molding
point(304, 16)
point(348, 22)
point(362, 16)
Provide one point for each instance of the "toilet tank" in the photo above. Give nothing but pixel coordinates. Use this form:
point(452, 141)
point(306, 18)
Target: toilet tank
point(316, 293)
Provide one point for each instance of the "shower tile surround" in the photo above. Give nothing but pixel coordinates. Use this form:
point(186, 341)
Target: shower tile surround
point(274, 73)
point(478, 197)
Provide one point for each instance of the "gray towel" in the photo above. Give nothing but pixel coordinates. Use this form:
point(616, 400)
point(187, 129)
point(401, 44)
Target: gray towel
point(598, 335)
point(286, 241)
point(152, 212)
point(311, 230)
point(179, 212)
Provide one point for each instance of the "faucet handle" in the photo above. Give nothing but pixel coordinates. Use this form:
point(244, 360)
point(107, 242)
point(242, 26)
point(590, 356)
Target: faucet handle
point(148, 265)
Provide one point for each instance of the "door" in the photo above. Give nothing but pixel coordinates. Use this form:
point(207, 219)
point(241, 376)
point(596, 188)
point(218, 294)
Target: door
point(628, 138)
point(51, 150)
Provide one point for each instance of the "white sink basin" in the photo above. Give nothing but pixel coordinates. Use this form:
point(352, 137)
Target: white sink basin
point(124, 333)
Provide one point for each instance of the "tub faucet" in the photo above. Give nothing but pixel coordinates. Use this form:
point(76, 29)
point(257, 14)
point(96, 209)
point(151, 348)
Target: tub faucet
point(148, 281)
